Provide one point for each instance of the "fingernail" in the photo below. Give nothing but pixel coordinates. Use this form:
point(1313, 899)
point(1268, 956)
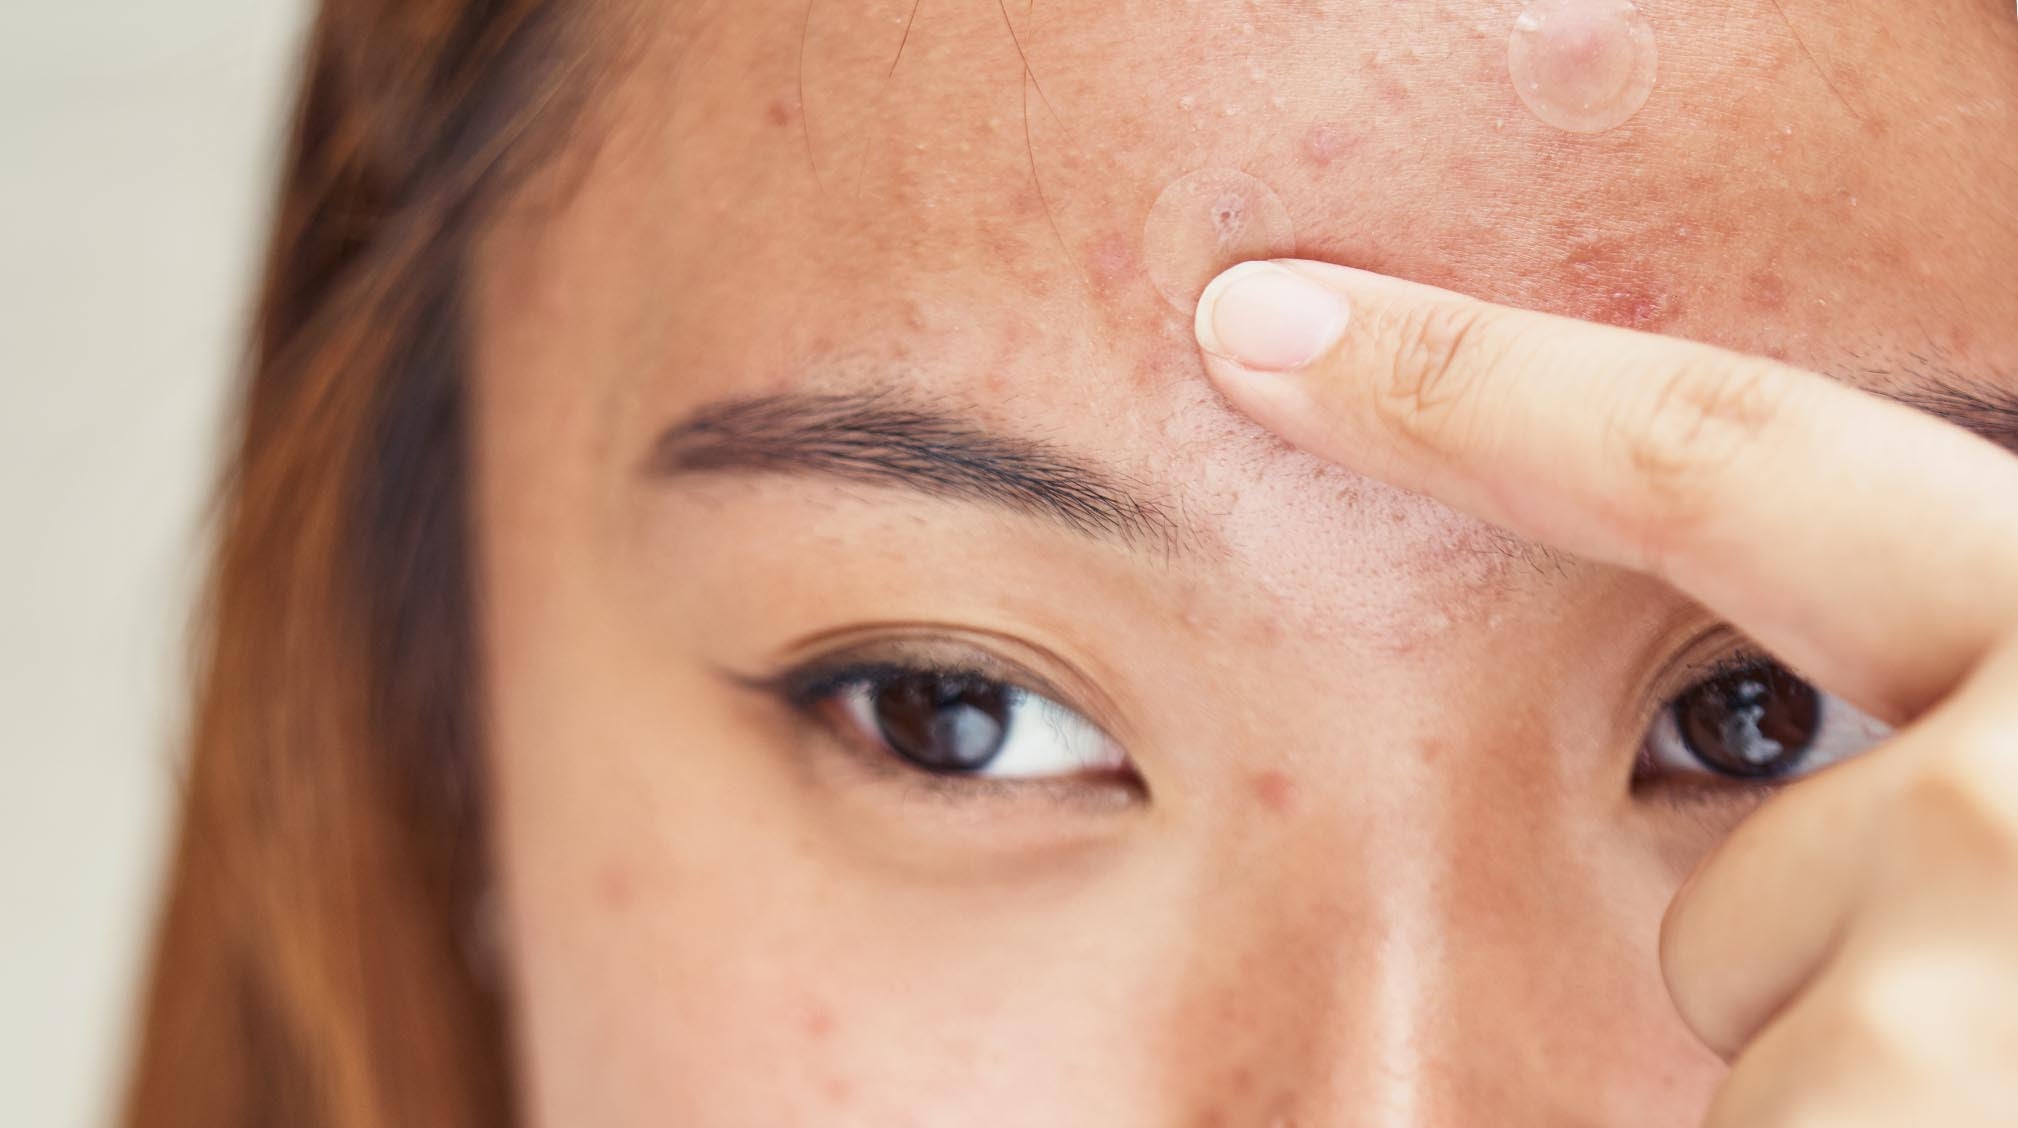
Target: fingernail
point(1269, 318)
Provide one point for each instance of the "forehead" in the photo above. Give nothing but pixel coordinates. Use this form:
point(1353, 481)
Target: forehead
point(999, 199)
point(1023, 147)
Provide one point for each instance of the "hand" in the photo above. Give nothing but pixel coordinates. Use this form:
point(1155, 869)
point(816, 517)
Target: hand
point(1853, 947)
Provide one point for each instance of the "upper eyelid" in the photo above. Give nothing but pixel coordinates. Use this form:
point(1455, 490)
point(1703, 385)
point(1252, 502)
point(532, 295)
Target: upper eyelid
point(965, 650)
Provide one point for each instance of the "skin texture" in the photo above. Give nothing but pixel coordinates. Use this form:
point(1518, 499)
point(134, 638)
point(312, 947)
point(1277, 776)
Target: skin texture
point(1390, 867)
point(1853, 947)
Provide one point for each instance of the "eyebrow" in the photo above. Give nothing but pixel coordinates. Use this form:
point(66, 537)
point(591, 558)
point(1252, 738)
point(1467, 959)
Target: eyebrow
point(1990, 409)
point(881, 439)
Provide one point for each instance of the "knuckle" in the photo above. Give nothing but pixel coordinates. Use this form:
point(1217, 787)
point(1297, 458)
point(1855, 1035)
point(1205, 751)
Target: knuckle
point(1435, 354)
point(1678, 443)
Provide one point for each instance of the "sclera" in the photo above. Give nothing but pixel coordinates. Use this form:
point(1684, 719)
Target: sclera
point(1584, 66)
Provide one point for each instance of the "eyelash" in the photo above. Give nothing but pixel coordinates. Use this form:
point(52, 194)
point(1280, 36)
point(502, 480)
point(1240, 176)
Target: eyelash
point(1699, 789)
point(1692, 793)
point(814, 690)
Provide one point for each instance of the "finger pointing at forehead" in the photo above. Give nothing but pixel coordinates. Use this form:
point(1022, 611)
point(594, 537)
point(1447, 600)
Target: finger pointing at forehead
point(1788, 503)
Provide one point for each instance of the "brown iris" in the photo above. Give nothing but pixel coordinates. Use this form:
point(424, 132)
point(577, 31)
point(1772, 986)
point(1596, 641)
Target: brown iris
point(944, 724)
point(1754, 722)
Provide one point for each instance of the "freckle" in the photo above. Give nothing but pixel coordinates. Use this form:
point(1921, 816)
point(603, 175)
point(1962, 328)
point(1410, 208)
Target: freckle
point(1393, 91)
point(819, 1022)
point(1765, 292)
point(1275, 790)
point(838, 1091)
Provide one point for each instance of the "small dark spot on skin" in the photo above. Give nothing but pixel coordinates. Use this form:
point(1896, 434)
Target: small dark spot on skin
point(1393, 91)
point(1765, 292)
point(1275, 791)
point(838, 1091)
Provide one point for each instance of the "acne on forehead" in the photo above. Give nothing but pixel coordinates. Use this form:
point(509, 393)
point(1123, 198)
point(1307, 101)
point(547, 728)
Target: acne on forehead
point(1205, 221)
point(1583, 66)
point(1362, 133)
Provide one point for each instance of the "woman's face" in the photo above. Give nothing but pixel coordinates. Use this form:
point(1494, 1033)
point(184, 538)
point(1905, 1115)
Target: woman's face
point(917, 700)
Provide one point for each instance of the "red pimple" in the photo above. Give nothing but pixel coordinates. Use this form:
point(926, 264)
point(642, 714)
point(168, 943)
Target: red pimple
point(1275, 791)
point(819, 1022)
point(783, 109)
point(1765, 292)
point(1113, 264)
point(614, 888)
point(1574, 40)
point(1326, 143)
point(1635, 307)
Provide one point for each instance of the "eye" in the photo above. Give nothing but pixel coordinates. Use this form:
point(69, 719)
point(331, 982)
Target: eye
point(1753, 720)
point(965, 724)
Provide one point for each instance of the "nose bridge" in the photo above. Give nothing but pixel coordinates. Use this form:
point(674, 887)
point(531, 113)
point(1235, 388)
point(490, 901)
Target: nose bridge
point(1427, 974)
point(1440, 1023)
point(1384, 1011)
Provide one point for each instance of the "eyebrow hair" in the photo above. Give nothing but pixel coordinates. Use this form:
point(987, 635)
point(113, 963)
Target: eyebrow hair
point(1990, 410)
point(881, 439)
point(1983, 400)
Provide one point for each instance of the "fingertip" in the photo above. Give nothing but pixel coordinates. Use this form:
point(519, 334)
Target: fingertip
point(1268, 318)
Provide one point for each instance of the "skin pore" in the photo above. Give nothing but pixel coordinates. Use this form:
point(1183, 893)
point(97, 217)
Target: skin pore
point(834, 348)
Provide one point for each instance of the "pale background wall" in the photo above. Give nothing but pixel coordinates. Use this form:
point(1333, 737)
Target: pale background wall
point(137, 140)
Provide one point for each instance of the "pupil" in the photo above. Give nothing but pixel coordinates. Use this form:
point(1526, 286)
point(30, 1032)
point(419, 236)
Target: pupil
point(944, 724)
point(1751, 723)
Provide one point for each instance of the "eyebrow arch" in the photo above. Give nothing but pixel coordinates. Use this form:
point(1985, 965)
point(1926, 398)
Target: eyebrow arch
point(881, 439)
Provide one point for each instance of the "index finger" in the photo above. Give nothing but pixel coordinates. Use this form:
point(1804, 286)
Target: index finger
point(1871, 545)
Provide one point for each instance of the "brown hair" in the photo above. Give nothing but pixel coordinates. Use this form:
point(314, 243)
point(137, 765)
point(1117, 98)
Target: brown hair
point(320, 955)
